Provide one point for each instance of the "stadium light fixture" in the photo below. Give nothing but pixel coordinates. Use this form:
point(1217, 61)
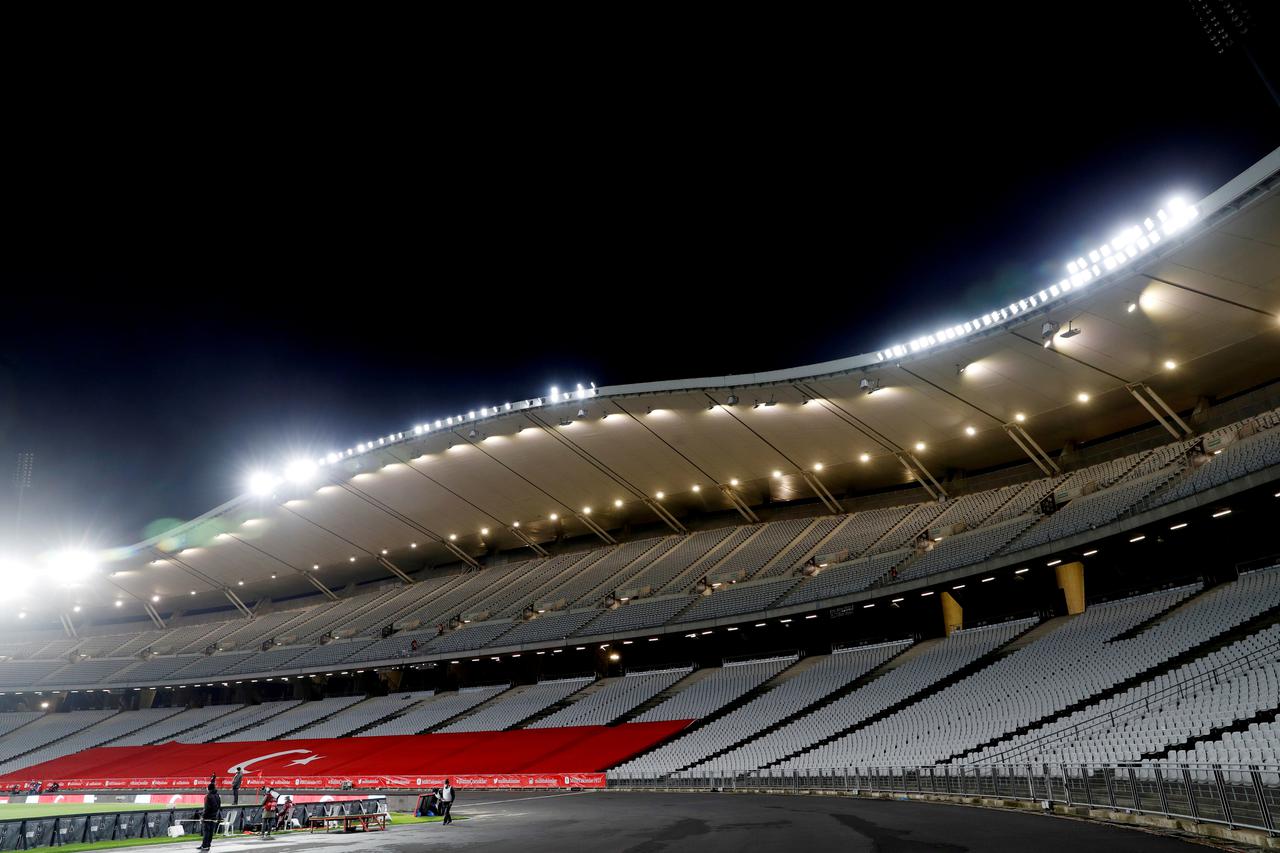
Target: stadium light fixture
point(555, 516)
point(1131, 307)
point(1071, 332)
point(817, 466)
point(1020, 571)
point(697, 488)
point(71, 567)
point(1089, 553)
point(155, 599)
point(866, 457)
point(733, 481)
point(1082, 397)
point(659, 495)
point(586, 510)
point(262, 483)
point(1170, 364)
point(920, 445)
point(1138, 538)
point(926, 594)
point(119, 603)
point(453, 537)
point(777, 475)
point(484, 531)
point(1179, 525)
point(970, 431)
point(1020, 417)
point(1220, 513)
point(300, 471)
point(1047, 331)
point(986, 580)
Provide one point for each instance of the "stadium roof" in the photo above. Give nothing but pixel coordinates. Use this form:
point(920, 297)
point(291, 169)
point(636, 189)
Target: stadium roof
point(1194, 315)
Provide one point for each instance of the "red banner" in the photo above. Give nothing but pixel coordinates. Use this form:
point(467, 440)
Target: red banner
point(569, 757)
point(380, 783)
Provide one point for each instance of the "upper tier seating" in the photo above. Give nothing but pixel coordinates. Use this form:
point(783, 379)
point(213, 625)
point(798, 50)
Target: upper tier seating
point(516, 705)
point(866, 549)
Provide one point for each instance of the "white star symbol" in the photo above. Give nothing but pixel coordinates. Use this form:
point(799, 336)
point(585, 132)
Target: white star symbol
point(307, 760)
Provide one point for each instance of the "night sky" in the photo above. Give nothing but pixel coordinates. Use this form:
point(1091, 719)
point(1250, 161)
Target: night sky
point(216, 271)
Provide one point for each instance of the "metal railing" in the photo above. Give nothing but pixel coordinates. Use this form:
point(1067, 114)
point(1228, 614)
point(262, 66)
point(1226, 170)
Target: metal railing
point(1236, 795)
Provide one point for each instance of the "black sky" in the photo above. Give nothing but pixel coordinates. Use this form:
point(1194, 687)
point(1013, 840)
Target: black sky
point(227, 254)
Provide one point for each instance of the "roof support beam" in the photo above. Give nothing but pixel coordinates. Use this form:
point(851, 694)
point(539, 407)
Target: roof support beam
point(734, 501)
point(1137, 389)
point(324, 590)
point(514, 531)
point(739, 504)
point(661, 512)
point(1034, 451)
point(392, 512)
point(593, 527)
point(395, 570)
point(237, 603)
point(814, 483)
point(154, 614)
point(820, 489)
point(921, 474)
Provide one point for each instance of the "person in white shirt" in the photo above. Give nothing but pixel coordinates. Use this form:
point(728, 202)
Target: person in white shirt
point(447, 794)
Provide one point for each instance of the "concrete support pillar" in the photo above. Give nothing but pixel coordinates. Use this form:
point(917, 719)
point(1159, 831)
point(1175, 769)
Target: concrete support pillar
point(1071, 582)
point(952, 614)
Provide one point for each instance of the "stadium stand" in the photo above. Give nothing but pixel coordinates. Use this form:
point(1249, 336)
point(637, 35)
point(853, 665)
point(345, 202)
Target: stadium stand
point(862, 551)
point(431, 711)
point(716, 689)
point(615, 698)
point(516, 705)
point(292, 719)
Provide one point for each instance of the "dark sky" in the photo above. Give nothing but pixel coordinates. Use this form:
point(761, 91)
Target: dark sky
point(225, 257)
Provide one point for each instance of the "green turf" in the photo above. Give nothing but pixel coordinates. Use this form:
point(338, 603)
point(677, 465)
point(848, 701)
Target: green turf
point(125, 842)
point(10, 811)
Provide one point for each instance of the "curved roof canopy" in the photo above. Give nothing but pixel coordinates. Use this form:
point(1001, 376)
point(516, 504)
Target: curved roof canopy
point(1194, 315)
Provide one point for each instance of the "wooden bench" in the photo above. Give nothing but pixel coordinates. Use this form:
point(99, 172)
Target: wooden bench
point(375, 822)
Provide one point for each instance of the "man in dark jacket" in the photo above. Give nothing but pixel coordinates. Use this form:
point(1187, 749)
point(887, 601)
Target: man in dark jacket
point(447, 794)
point(209, 817)
point(235, 786)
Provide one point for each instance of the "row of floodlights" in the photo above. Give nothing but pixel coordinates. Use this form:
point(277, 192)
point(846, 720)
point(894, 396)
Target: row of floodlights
point(1130, 243)
point(303, 470)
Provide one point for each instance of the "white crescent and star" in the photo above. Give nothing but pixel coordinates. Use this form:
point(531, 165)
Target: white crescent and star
point(310, 757)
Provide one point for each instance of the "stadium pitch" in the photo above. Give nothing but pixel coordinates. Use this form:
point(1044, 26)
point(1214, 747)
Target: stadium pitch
point(708, 823)
point(13, 811)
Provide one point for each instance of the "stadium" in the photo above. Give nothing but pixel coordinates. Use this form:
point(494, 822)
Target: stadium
point(1025, 561)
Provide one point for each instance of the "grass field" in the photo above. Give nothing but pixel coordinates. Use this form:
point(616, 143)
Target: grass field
point(12, 811)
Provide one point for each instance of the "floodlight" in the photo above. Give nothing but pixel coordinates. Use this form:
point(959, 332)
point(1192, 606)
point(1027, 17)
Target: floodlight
point(1170, 364)
point(733, 400)
point(618, 503)
point(1131, 307)
point(970, 431)
point(920, 445)
point(866, 457)
point(262, 483)
point(1071, 331)
point(71, 567)
point(300, 470)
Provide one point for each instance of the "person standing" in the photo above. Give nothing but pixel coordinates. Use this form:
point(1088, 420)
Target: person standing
point(235, 786)
point(268, 813)
point(447, 793)
point(209, 817)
